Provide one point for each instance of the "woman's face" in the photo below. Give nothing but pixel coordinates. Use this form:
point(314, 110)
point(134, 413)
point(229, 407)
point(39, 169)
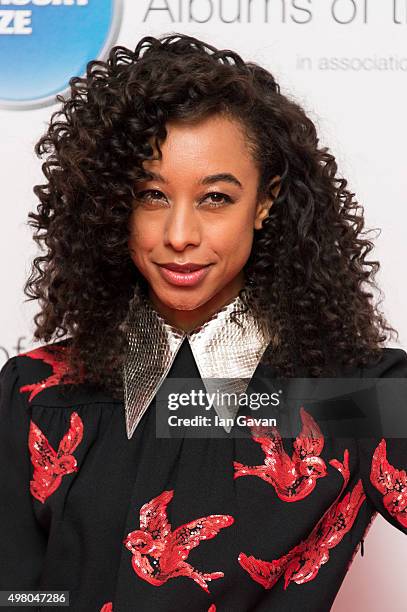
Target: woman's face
point(200, 208)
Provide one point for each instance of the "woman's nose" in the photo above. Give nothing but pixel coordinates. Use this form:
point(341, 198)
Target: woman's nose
point(182, 227)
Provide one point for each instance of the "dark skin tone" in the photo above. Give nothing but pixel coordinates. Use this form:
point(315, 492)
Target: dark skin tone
point(186, 215)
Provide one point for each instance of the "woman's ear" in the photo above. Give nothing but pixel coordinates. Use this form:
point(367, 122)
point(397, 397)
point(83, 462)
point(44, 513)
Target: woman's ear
point(263, 207)
point(261, 213)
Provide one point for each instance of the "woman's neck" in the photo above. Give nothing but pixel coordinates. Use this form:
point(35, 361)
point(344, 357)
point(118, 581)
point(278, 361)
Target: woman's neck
point(188, 320)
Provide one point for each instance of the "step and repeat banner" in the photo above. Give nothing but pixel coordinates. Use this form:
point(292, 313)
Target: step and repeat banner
point(345, 61)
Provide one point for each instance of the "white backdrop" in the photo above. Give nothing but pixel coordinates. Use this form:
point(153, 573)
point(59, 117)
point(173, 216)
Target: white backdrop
point(345, 62)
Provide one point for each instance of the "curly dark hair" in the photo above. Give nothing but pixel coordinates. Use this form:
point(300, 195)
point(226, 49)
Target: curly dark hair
point(308, 262)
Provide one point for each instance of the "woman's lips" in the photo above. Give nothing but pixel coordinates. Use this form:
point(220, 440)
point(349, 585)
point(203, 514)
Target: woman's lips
point(184, 279)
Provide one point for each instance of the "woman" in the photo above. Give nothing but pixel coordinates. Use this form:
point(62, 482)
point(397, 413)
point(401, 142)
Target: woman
point(193, 230)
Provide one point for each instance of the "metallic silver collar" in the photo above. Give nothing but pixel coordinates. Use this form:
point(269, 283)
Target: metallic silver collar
point(221, 349)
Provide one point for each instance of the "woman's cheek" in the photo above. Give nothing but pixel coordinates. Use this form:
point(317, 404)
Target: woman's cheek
point(239, 241)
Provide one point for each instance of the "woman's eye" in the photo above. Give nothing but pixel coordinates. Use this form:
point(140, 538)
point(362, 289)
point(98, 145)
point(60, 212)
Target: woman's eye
point(226, 199)
point(149, 195)
point(154, 195)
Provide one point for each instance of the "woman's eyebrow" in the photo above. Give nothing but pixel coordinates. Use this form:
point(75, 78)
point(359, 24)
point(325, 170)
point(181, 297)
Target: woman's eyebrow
point(222, 176)
point(207, 180)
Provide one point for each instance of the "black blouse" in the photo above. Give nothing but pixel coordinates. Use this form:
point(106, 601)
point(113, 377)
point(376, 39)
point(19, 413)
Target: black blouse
point(162, 525)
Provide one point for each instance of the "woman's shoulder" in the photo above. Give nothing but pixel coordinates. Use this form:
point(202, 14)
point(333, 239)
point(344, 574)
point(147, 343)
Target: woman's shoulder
point(392, 363)
point(42, 373)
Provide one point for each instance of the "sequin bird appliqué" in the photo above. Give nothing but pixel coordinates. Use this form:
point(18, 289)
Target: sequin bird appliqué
point(50, 465)
point(159, 553)
point(293, 478)
point(56, 359)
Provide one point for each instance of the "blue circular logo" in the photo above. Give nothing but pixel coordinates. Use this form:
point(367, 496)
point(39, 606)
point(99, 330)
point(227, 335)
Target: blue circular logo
point(43, 43)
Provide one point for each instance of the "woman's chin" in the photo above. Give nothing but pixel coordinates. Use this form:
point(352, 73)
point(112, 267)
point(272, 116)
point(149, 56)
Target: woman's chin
point(182, 302)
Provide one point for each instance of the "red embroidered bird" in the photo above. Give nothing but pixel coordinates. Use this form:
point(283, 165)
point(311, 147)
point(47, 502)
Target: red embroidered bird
point(159, 553)
point(302, 563)
point(50, 466)
point(292, 478)
point(391, 482)
point(54, 358)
